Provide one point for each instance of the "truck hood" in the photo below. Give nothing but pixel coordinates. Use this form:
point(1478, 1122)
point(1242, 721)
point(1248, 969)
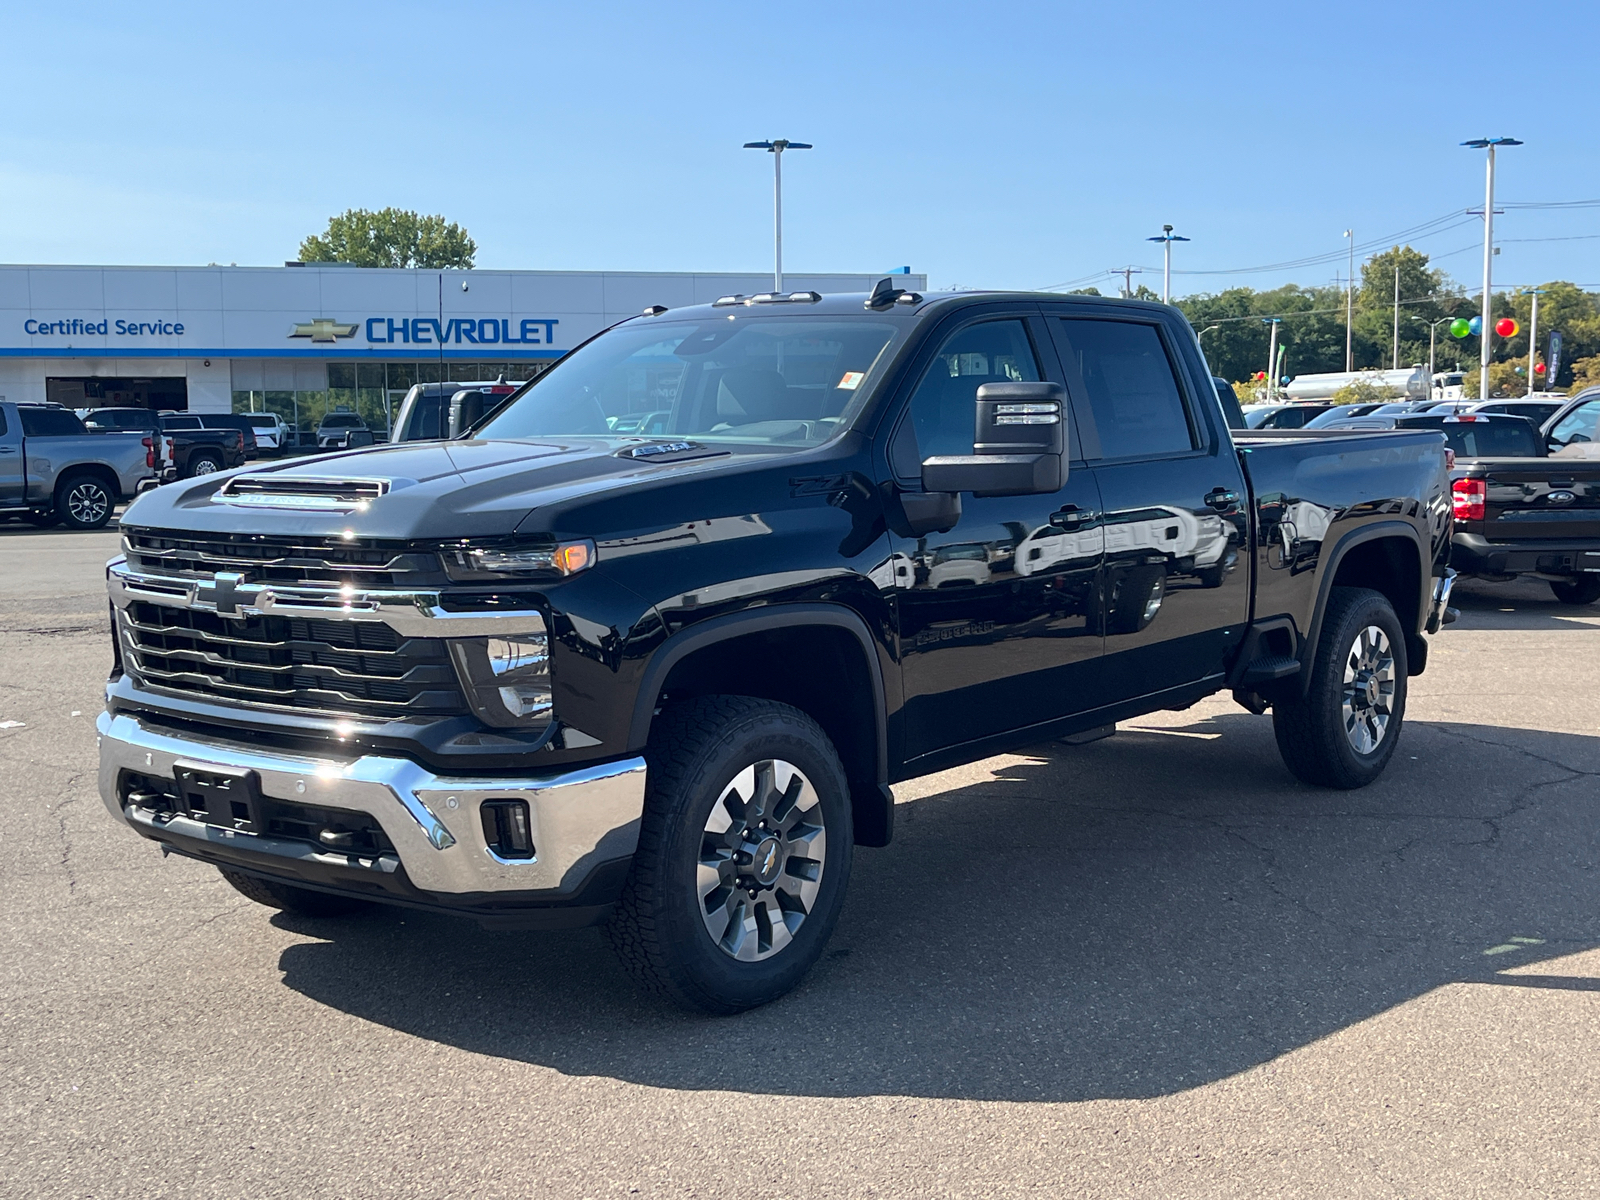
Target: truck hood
point(428, 489)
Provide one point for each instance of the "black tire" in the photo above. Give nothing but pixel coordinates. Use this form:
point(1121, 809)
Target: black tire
point(1585, 590)
point(83, 501)
point(698, 750)
point(202, 464)
point(1314, 737)
point(301, 902)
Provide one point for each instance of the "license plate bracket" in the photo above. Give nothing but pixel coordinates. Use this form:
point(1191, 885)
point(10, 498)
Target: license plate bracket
point(226, 797)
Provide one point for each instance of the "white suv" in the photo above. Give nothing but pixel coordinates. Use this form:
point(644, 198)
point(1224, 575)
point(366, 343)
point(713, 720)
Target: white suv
point(272, 431)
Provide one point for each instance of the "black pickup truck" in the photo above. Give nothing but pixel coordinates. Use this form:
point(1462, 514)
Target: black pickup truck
point(550, 674)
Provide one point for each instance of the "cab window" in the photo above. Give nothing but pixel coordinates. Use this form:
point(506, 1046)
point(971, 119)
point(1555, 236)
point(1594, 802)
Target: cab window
point(1121, 368)
point(1577, 426)
point(944, 407)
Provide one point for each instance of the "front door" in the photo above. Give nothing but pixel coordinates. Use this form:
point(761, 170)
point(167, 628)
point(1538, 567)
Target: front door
point(11, 490)
point(998, 617)
point(1177, 583)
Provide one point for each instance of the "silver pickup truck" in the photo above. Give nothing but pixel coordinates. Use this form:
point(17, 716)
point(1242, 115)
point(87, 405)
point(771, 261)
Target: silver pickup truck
point(53, 470)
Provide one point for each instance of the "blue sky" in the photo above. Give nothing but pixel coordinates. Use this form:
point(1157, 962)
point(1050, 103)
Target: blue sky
point(990, 145)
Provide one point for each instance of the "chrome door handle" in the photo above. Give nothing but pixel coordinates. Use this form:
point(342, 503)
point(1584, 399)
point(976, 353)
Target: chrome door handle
point(1222, 499)
point(8, 449)
point(1070, 517)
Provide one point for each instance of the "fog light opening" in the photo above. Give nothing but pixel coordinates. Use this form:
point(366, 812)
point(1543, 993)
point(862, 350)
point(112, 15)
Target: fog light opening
point(507, 828)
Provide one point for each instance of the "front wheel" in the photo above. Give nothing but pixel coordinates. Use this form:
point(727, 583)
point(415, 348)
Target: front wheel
point(1585, 590)
point(1342, 732)
point(744, 850)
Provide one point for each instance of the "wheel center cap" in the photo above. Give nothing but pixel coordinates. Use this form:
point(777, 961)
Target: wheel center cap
point(768, 861)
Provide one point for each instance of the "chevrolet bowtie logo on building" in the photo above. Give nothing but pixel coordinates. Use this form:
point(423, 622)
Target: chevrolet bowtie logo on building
point(323, 329)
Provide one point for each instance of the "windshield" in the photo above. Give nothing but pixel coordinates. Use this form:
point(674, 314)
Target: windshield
point(792, 381)
point(340, 421)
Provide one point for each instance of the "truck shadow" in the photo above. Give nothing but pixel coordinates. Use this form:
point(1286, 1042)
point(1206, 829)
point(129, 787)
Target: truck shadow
point(1126, 919)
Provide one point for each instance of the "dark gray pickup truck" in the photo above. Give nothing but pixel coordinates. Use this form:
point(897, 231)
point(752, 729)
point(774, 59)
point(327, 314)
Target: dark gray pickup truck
point(558, 671)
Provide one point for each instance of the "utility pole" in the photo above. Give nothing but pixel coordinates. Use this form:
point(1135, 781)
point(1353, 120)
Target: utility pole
point(1486, 335)
point(776, 147)
point(1166, 239)
point(1127, 274)
point(1350, 307)
point(1533, 337)
point(1395, 365)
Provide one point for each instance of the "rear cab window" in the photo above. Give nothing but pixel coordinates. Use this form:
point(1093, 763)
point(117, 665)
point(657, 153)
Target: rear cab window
point(50, 422)
point(1120, 372)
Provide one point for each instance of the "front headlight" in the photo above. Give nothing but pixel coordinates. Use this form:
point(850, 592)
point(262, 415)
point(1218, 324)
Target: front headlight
point(507, 680)
point(469, 562)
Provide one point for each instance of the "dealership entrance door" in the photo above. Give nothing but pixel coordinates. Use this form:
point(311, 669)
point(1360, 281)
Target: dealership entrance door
point(164, 393)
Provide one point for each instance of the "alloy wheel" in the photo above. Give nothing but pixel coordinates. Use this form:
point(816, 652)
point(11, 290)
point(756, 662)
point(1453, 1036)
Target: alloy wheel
point(762, 856)
point(1369, 680)
point(87, 503)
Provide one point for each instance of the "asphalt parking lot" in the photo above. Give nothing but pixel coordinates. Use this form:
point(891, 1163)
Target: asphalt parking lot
point(1151, 966)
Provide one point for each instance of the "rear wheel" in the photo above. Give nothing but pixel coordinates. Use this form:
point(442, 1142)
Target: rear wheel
point(204, 464)
point(302, 902)
point(1585, 590)
point(744, 851)
point(83, 502)
point(1342, 732)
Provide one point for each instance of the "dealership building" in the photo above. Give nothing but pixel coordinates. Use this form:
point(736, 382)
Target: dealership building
point(304, 340)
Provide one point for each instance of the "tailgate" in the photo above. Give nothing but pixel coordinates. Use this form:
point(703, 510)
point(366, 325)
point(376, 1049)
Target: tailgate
point(1552, 499)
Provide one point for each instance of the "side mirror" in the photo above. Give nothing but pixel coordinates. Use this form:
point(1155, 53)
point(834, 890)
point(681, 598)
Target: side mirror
point(1019, 444)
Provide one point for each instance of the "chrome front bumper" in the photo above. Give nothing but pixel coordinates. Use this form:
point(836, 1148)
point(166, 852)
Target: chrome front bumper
point(581, 818)
point(1439, 611)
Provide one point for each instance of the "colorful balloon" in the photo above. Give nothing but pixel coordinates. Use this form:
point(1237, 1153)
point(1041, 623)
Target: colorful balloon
point(1506, 327)
point(1538, 369)
point(1475, 326)
point(1460, 327)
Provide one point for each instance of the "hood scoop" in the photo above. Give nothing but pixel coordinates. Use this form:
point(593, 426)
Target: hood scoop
point(300, 493)
point(665, 452)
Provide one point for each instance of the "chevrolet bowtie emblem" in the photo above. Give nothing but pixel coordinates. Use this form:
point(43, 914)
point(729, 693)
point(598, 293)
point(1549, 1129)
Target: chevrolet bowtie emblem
point(323, 329)
point(221, 592)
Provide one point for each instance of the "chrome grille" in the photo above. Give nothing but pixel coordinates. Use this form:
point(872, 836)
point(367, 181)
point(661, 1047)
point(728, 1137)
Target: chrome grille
point(336, 668)
point(264, 559)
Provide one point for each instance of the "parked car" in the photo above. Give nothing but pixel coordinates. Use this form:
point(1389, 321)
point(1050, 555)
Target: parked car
point(52, 470)
point(1537, 411)
point(272, 432)
point(239, 422)
point(1289, 416)
point(1341, 412)
point(343, 430)
point(561, 675)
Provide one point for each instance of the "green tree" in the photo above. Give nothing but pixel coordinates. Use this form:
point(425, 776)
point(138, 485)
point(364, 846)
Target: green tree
point(1364, 391)
point(1425, 293)
point(390, 237)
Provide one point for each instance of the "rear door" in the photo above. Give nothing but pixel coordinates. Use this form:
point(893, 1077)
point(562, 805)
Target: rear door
point(1176, 589)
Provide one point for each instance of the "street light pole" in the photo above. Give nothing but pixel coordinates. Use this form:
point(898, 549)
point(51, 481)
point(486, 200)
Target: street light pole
point(1272, 358)
point(1166, 239)
point(1533, 336)
point(776, 147)
point(1350, 306)
point(1486, 334)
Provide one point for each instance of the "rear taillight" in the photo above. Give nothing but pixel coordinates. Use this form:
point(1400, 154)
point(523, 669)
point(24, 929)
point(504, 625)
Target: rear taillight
point(1468, 496)
point(149, 452)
